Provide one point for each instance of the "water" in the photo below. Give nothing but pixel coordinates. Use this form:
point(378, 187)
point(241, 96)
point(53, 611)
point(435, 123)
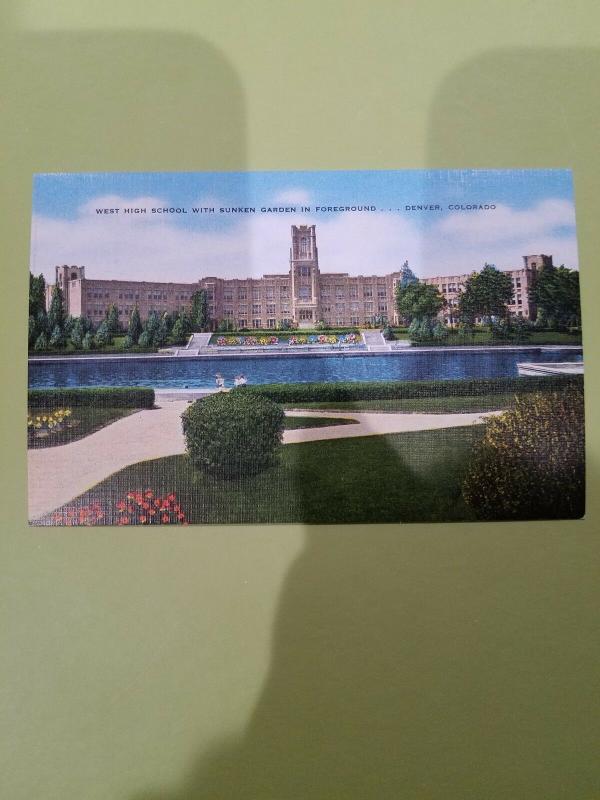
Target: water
point(170, 373)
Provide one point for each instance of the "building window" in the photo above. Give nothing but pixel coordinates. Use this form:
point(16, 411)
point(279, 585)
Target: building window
point(242, 323)
point(271, 323)
point(305, 272)
point(242, 294)
point(270, 309)
point(354, 320)
point(256, 323)
point(270, 292)
point(304, 293)
point(381, 291)
point(256, 294)
point(228, 295)
point(382, 307)
point(256, 309)
point(368, 306)
point(367, 291)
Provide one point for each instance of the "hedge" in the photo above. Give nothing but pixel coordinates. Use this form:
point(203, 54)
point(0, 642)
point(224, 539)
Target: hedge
point(384, 390)
point(107, 397)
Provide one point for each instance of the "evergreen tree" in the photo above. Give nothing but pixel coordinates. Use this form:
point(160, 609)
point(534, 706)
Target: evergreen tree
point(88, 341)
point(145, 339)
point(112, 319)
point(135, 328)
point(199, 310)
point(41, 343)
point(57, 338)
point(33, 331)
point(37, 295)
point(151, 328)
point(77, 333)
point(407, 276)
point(162, 332)
point(103, 337)
point(56, 313)
point(128, 342)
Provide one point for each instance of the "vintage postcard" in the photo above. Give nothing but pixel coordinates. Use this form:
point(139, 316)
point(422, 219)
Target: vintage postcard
point(313, 347)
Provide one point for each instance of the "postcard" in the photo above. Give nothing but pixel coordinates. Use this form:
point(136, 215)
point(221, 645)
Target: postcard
point(304, 347)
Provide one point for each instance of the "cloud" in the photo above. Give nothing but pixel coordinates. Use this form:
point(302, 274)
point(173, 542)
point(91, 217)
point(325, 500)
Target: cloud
point(158, 248)
point(293, 197)
point(504, 222)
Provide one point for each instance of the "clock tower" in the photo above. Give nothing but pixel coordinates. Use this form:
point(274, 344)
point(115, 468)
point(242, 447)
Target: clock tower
point(304, 275)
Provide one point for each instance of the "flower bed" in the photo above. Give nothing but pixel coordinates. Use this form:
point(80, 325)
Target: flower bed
point(44, 424)
point(136, 508)
point(292, 340)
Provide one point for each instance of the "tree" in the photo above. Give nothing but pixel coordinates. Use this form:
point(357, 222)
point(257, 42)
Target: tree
point(103, 337)
point(150, 332)
point(56, 312)
point(77, 333)
point(407, 276)
point(57, 339)
point(486, 295)
point(135, 328)
point(199, 310)
point(88, 341)
point(162, 332)
point(32, 330)
point(37, 295)
point(181, 329)
point(112, 319)
point(556, 294)
point(418, 301)
point(41, 343)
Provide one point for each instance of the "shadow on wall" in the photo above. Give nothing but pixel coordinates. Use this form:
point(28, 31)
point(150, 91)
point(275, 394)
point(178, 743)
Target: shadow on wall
point(416, 663)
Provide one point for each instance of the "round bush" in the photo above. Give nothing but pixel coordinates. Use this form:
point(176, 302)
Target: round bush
point(530, 463)
point(233, 433)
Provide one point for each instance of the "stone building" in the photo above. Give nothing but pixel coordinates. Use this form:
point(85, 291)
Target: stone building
point(301, 296)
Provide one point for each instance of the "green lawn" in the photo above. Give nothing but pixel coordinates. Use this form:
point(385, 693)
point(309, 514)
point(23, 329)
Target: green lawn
point(410, 477)
point(83, 421)
point(485, 338)
point(293, 423)
point(420, 405)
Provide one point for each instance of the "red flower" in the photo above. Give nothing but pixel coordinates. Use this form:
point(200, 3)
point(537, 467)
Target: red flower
point(143, 519)
point(165, 518)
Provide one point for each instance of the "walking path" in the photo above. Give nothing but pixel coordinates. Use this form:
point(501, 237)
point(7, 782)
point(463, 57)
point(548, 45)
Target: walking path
point(59, 474)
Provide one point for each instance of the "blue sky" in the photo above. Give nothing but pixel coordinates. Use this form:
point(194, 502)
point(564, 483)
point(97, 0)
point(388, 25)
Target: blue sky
point(534, 209)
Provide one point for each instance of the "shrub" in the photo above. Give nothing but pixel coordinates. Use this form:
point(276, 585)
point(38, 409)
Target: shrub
point(342, 391)
point(41, 343)
point(107, 397)
point(103, 337)
point(530, 463)
point(234, 433)
point(88, 341)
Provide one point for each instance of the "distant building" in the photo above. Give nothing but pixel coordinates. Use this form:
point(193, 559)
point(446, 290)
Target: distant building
point(302, 296)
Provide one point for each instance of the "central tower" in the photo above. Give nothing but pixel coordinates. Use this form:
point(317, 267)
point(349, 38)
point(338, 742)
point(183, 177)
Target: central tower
point(304, 274)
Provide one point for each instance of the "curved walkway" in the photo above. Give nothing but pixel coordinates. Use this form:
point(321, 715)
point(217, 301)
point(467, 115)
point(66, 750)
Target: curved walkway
point(59, 474)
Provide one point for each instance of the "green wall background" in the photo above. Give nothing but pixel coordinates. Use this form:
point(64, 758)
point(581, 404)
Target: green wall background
point(416, 661)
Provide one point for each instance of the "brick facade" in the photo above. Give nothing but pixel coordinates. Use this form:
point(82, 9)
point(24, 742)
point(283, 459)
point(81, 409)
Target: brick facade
point(303, 295)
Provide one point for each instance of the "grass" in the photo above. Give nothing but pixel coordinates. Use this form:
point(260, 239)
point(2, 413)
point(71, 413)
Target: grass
point(485, 338)
point(417, 405)
point(409, 477)
point(83, 421)
point(293, 423)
